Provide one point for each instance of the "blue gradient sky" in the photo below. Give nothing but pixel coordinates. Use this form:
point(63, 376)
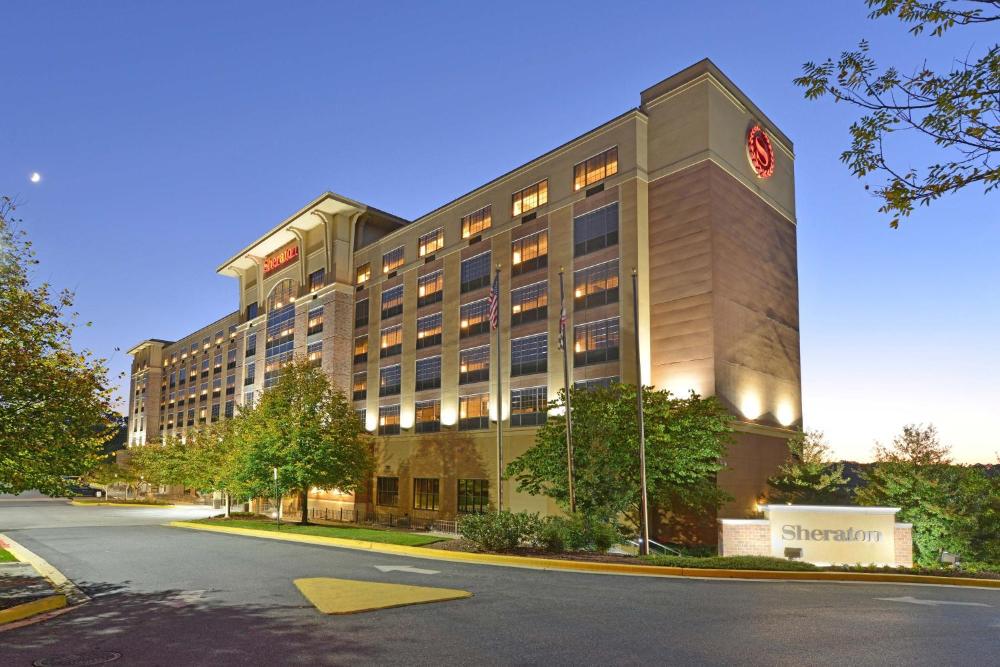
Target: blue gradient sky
point(169, 136)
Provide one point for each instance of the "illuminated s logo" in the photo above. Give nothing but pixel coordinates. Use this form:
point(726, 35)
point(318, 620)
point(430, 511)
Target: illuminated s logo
point(759, 151)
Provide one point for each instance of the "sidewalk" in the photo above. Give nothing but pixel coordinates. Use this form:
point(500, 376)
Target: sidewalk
point(30, 586)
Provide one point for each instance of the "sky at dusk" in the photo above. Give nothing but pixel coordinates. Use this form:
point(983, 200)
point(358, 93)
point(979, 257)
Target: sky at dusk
point(169, 135)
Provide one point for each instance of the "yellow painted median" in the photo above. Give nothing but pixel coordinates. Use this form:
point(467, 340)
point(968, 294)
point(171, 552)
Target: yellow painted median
point(591, 566)
point(33, 608)
point(348, 596)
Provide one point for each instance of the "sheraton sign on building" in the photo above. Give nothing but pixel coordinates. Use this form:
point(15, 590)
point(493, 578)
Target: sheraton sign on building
point(821, 535)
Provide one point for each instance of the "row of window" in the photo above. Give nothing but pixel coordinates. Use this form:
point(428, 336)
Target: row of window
point(586, 173)
point(473, 495)
point(528, 407)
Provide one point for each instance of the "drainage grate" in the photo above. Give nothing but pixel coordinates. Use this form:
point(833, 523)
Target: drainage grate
point(78, 660)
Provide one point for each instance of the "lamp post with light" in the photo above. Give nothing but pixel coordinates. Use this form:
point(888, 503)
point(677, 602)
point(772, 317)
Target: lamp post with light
point(277, 500)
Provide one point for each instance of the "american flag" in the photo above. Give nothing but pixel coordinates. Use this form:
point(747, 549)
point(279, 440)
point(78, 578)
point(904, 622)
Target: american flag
point(494, 311)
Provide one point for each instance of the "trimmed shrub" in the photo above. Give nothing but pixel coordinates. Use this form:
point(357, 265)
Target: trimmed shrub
point(500, 531)
point(577, 532)
point(731, 563)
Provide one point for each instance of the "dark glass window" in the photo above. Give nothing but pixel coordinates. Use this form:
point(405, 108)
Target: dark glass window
point(426, 493)
point(474, 365)
point(252, 310)
point(427, 415)
point(595, 230)
point(428, 373)
point(473, 495)
point(528, 407)
point(596, 383)
point(387, 491)
point(529, 354)
point(248, 375)
point(389, 380)
point(361, 313)
point(316, 279)
point(251, 345)
point(529, 303)
point(392, 302)
point(314, 353)
point(474, 318)
point(429, 331)
point(230, 406)
point(529, 253)
point(595, 342)
point(476, 272)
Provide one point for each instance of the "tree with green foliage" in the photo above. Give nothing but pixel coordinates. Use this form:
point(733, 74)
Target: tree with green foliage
point(810, 476)
point(308, 430)
point(55, 402)
point(686, 439)
point(211, 460)
point(958, 111)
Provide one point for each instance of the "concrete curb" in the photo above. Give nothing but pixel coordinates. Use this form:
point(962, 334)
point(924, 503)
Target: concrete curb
point(59, 581)
point(593, 567)
point(33, 608)
point(84, 503)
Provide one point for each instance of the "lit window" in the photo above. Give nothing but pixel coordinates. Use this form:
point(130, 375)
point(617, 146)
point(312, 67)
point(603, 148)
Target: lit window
point(316, 280)
point(314, 353)
point(595, 169)
point(474, 364)
point(474, 318)
point(427, 416)
point(388, 419)
point(429, 331)
point(360, 387)
point(529, 253)
point(473, 412)
point(431, 242)
point(393, 259)
point(363, 274)
point(361, 349)
point(529, 303)
point(315, 321)
point(531, 197)
point(595, 285)
point(595, 342)
point(391, 341)
point(392, 302)
point(474, 223)
point(430, 288)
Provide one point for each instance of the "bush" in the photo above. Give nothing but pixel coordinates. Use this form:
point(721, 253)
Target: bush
point(577, 532)
point(731, 563)
point(500, 531)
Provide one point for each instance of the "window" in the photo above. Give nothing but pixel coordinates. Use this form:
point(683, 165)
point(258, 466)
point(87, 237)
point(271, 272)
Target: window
point(476, 272)
point(216, 387)
point(362, 416)
point(230, 384)
point(388, 380)
point(388, 419)
point(595, 230)
point(251, 345)
point(247, 398)
point(252, 310)
point(206, 342)
point(280, 333)
point(248, 376)
point(430, 288)
point(429, 330)
point(391, 341)
point(431, 242)
point(595, 285)
point(218, 337)
point(425, 493)
point(215, 412)
point(392, 302)
point(204, 365)
point(361, 349)
point(182, 377)
point(360, 387)
point(387, 491)
point(529, 253)
point(392, 260)
point(528, 406)
point(363, 273)
point(314, 353)
point(316, 280)
point(595, 342)
point(361, 313)
point(529, 303)
point(474, 318)
point(595, 169)
point(427, 416)
point(315, 322)
point(529, 354)
point(473, 495)
point(217, 363)
point(531, 197)
point(202, 415)
point(428, 373)
point(474, 223)
point(204, 390)
point(230, 408)
point(596, 383)
point(231, 359)
point(473, 412)
point(474, 365)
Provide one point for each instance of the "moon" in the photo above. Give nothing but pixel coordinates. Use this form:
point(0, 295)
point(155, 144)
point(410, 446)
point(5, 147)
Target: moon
point(35, 177)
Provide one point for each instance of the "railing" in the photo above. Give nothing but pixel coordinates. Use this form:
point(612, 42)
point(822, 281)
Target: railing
point(655, 546)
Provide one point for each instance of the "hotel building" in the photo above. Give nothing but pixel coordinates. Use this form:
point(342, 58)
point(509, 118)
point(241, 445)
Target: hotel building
point(694, 189)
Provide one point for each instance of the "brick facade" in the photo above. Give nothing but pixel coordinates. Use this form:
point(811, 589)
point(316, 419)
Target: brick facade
point(744, 537)
point(903, 544)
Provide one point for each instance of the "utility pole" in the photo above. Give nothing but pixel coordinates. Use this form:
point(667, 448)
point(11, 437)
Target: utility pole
point(643, 502)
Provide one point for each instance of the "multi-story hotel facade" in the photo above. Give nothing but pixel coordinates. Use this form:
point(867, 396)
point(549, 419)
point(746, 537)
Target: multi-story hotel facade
point(693, 189)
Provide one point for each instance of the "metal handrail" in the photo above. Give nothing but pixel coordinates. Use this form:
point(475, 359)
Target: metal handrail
point(654, 544)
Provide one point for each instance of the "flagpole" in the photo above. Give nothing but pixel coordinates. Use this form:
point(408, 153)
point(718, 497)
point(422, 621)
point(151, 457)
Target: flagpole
point(643, 503)
point(569, 411)
point(496, 283)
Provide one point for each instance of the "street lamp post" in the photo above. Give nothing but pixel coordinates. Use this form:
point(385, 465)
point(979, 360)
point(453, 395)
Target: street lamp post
point(643, 502)
point(277, 500)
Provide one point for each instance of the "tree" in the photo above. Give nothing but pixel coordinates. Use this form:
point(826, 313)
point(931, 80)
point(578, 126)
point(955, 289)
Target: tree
point(810, 477)
point(308, 430)
point(686, 439)
point(211, 460)
point(55, 402)
point(958, 110)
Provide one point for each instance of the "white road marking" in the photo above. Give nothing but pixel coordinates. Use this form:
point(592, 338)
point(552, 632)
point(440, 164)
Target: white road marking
point(405, 568)
point(933, 603)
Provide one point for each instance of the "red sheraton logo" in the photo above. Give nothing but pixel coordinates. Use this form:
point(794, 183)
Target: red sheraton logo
point(760, 152)
point(281, 259)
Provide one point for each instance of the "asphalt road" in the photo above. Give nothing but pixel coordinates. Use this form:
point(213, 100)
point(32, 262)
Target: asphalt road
point(168, 596)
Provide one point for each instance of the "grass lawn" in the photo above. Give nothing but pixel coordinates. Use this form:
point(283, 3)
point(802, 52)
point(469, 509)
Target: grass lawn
point(348, 533)
point(6, 556)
